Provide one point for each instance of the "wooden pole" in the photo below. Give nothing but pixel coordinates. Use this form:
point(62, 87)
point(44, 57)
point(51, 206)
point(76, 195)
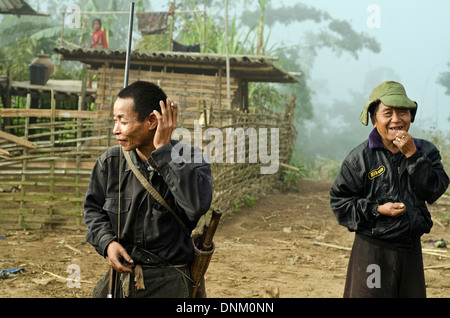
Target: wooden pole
point(81, 101)
point(52, 153)
point(130, 35)
point(227, 56)
point(172, 22)
point(204, 28)
point(24, 164)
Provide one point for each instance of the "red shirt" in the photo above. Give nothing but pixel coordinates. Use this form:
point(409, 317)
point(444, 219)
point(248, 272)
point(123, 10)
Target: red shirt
point(99, 38)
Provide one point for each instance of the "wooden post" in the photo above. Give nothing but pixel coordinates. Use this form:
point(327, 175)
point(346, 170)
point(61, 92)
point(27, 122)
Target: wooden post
point(7, 121)
point(24, 165)
point(197, 117)
point(204, 29)
point(244, 99)
point(52, 153)
point(110, 121)
point(227, 56)
point(172, 22)
point(81, 103)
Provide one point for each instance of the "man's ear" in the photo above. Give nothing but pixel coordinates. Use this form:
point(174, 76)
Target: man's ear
point(373, 120)
point(153, 121)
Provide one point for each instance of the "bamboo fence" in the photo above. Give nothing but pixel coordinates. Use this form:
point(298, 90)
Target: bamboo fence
point(45, 165)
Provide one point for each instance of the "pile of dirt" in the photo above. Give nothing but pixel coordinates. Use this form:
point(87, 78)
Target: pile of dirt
point(287, 244)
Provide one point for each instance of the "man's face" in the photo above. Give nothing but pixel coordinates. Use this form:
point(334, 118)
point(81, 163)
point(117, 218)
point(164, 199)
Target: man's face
point(131, 133)
point(389, 120)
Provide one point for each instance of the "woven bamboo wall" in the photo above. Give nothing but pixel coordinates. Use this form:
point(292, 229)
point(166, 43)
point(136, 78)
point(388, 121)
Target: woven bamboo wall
point(186, 89)
point(45, 172)
point(45, 184)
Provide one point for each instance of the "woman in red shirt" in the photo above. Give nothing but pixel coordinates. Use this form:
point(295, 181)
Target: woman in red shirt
point(99, 42)
point(99, 36)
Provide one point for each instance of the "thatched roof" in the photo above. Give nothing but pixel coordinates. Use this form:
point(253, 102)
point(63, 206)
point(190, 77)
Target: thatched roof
point(246, 67)
point(17, 7)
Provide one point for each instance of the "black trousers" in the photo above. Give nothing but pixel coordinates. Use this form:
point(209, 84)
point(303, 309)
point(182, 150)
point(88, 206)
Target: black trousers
point(376, 271)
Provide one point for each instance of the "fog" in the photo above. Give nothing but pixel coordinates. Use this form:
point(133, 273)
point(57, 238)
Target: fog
point(414, 50)
point(414, 47)
point(413, 36)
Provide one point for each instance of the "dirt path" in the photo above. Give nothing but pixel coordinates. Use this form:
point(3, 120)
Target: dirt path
point(270, 246)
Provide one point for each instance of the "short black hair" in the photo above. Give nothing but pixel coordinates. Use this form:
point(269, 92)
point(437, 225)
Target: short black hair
point(374, 107)
point(99, 22)
point(146, 97)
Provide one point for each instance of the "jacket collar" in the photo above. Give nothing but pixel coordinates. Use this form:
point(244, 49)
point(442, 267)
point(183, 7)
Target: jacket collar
point(138, 162)
point(376, 142)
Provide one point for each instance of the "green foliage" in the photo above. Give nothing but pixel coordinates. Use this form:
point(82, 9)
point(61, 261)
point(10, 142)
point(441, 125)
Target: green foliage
point(154, 42)
point(338, 35)
point(194, 27)
point(18, 56)
point(263, 95)
point(291, 177)
point(245, 200)
point(444, 80)
point(286, 15)
point(324, 169)
point(442, 142)
point(344, 38)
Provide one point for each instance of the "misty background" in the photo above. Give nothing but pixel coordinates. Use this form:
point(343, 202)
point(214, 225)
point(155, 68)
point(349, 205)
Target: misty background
point(343, 48)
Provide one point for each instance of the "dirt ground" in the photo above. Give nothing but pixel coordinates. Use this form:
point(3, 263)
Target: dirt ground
point(272, 246)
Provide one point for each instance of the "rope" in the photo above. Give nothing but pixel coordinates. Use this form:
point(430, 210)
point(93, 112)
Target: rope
point(118, 216)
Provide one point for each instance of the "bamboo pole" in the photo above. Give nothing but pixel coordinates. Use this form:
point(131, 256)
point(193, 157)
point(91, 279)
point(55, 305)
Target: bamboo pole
point(24, 164)
point(227, 56)
point(81, 100)
point(204, 28)
point(172, 22)
point(52, 143)
point(16, 139)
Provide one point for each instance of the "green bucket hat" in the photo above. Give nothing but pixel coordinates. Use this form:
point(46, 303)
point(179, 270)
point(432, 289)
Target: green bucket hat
point(391, 94)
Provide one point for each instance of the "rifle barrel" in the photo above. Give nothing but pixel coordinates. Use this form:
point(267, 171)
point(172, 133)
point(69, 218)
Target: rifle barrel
point(130, 36)
point(111, 283)
point(112, 272)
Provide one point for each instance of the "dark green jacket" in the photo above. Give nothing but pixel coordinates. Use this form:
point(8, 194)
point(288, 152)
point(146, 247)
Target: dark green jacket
point(187, 187)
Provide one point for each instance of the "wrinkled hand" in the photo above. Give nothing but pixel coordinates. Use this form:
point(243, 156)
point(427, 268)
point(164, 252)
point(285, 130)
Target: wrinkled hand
point(167, 122)
point(116, 253)
point(405, 143)
point(393, 209)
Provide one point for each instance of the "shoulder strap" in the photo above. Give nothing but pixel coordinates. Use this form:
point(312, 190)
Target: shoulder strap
point(151, 189)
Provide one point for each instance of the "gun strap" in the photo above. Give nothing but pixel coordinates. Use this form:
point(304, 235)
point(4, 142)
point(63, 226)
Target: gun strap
point(151, 189)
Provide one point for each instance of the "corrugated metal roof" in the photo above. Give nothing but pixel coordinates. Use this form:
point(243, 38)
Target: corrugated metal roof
point(17, 7)
point(248, 67)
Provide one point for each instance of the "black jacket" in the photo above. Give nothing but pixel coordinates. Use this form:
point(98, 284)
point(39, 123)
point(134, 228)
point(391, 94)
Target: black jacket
point(371, 175)
point(187, 187)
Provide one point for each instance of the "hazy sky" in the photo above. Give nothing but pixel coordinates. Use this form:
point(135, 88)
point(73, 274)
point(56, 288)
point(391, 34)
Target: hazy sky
point(415, 46)
point(414, 38)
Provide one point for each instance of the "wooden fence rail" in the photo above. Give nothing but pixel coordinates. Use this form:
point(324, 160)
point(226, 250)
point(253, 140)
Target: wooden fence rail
point(45, 168)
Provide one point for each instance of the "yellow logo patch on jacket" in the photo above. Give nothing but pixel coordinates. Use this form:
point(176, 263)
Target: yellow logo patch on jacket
point(377, 172)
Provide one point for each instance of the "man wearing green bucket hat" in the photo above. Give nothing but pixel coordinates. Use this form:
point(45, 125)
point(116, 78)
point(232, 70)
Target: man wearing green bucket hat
point(381, 193)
